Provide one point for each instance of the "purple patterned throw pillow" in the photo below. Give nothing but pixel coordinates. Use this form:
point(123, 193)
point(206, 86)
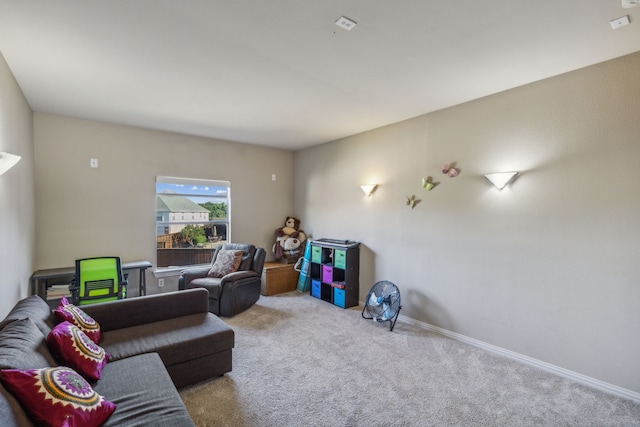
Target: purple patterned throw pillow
point(57, 397)
point(75, 315)
point(75, 349)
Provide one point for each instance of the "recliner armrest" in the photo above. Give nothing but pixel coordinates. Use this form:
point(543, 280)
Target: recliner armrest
point(237, 275)
point(191, 273)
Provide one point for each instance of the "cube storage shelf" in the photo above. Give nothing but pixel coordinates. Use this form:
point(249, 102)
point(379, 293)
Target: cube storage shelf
point(335, 271)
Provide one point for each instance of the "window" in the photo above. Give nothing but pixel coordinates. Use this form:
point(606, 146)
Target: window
point(205, 204)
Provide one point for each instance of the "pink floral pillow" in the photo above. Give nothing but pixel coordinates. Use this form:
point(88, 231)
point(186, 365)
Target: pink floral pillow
point(57, 397)
point(71, 313)
point(226, 262)
point(74, 348)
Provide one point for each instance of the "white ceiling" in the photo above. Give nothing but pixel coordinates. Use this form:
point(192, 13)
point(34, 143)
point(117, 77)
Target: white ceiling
point(280, 72)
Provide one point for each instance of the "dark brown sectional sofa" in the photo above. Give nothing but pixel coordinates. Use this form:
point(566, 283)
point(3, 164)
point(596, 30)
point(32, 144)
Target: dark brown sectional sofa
point(157, 344)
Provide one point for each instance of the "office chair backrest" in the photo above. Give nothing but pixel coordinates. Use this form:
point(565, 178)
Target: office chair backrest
point(99, 280)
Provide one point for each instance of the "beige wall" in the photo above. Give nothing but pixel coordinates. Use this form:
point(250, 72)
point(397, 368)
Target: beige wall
point(17, 202)
point(84, 212)
point(548, 268)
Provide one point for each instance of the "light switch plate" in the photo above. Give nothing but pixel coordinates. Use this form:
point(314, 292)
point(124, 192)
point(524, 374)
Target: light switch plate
point(94, 163)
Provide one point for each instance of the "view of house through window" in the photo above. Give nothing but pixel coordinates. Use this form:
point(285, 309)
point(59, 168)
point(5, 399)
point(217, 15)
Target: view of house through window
point(192, 217)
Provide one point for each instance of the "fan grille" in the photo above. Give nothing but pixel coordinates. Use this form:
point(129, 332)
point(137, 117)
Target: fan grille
point(383, 303)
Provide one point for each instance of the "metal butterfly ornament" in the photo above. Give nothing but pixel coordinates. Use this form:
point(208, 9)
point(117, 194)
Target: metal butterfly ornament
point(412, 201)
point(427, 184)
point(449, 170)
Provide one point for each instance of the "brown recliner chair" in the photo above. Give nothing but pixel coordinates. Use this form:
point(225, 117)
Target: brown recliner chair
point(235, 292)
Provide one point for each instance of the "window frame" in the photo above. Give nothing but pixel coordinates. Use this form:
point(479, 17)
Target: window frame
point(168, 221)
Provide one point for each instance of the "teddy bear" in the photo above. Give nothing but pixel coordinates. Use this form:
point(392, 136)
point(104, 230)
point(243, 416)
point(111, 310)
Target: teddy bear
point(288, 239)
point(287, 247)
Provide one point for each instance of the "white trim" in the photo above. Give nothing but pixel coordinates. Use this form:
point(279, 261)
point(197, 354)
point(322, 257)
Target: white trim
point(192, 181)
point(168, 272)
point(174, 271)
point(579, 378)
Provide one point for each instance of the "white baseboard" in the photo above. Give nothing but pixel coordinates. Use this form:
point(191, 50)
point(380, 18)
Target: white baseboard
point(582, 379)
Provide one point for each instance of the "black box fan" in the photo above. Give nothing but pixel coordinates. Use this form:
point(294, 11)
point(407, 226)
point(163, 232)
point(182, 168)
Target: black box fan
point(383, 303)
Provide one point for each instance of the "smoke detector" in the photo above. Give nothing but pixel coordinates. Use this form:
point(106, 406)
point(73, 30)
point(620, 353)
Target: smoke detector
point(346, 23)
point(620, 22)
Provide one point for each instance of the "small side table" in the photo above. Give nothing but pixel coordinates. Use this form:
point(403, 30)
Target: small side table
point(278, 278)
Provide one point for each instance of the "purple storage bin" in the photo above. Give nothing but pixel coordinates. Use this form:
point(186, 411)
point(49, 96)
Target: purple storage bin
point(327, 274)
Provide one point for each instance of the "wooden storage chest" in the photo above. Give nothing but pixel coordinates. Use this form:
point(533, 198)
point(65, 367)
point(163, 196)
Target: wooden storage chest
point(278, 278)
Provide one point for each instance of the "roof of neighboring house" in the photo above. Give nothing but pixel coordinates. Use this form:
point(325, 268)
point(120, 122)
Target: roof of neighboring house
point(176, 203)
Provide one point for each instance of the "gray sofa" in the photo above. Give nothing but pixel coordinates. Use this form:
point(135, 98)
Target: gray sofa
point(157, 344)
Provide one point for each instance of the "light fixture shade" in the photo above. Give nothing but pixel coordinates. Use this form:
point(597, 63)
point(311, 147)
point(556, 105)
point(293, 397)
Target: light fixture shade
point(7, 161)
point(500, 179)
point(368, 189)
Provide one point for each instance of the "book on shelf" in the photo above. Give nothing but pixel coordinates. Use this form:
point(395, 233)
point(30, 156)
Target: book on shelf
point(58, 291)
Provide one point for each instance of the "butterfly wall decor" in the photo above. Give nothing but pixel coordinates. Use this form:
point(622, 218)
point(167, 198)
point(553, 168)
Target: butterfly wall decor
point(412, 201)
point(450, 170)
point(427, 184)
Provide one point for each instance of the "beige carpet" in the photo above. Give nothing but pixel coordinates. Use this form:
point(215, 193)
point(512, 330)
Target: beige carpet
point(299, 361)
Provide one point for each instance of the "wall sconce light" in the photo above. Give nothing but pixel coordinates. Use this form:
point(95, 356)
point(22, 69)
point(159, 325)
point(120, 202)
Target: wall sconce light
point(368, 189)
point(7, 161)
point(501, 179)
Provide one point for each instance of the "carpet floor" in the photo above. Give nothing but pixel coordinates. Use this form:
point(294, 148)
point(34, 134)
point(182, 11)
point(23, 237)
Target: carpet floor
point(299, 361)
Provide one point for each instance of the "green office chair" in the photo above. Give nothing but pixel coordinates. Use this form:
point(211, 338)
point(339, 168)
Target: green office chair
point(98, 280)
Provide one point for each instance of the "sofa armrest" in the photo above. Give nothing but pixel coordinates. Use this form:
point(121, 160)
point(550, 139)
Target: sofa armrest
point(147, 309)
